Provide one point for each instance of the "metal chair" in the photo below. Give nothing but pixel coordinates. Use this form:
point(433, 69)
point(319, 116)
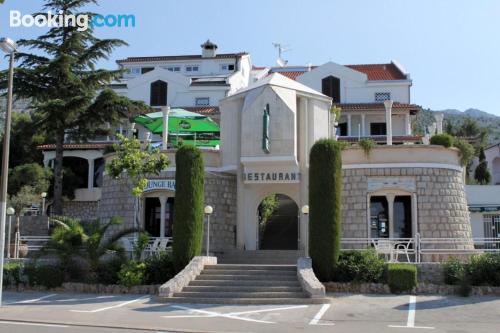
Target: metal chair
point(385, 247)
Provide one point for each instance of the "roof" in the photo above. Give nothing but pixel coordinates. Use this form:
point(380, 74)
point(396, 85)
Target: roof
point(276, 79)
point(375, 72)
point(204, 110)
point(76, 146)
point(383, 138)
point(180, 57)
point(396, 106)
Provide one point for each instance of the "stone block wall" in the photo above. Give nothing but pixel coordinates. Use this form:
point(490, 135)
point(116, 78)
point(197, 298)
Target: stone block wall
point(83, 210)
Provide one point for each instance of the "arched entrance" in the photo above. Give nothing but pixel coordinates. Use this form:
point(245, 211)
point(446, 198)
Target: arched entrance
point(278, 223)
point(158, 213)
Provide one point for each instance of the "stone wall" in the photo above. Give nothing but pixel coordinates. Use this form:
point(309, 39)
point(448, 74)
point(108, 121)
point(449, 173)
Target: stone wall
point(35, 225)
point(442, 207)
point(83, 210)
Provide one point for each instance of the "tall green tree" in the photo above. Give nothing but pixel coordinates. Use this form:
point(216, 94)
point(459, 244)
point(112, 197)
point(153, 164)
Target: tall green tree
point(60, 78)
point(325, 190)
point(188, 205)
point(482, 174)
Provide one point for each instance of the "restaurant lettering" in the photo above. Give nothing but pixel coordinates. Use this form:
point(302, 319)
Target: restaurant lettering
point(160, 184)
point(271, 177)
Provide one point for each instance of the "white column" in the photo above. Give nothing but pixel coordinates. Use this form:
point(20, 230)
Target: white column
point(390, 200)
point(91, 174)
point(363, 126)
point(407, 124)
point(349, 130)
point(166, 111)
point(439, 122)
point(414, 214)
point(388, 121)
point(163, 204)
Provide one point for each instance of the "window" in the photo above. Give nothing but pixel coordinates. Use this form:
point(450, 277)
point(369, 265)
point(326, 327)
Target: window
point(377, 129)
point(173, 68)
point(159, 91)
point(491, 228)
point(134, 70)
point(342, 129)
point(382, 96)
point(330, 86)
point(192, 68)
point(227, 67)
point(144, 70)
point(202, 101)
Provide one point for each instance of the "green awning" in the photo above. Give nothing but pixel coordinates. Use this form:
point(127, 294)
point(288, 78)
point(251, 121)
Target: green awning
point(179, 122)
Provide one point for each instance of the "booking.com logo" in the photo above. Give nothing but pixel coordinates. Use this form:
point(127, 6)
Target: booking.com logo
point(81, 21)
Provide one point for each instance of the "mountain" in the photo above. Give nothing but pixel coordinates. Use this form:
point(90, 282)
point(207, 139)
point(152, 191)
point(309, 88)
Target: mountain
point(484, 119)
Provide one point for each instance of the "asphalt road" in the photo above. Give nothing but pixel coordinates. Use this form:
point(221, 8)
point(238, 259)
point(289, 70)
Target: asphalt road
point(49, 312)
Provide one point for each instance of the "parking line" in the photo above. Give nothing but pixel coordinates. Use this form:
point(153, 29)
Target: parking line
point(410, 323)
point(212, 314)
point(317, 317)
point(111, 307)
point(31, 324)
point(34, 300)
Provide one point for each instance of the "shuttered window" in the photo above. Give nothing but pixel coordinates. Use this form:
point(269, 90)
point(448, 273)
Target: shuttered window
point(159, 91)
point(330, 86)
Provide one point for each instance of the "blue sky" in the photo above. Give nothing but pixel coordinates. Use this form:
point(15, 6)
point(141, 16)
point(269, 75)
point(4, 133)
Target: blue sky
point(450, 47)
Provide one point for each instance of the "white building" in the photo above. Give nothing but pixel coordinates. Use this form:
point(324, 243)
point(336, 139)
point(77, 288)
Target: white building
point(484, 208)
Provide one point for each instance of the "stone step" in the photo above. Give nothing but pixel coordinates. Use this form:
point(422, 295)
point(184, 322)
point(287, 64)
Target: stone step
point(249, 272)
point(243, 283)
point(278, 294)
point(244, 301)
point(253, 267)
point(240, 288)
point(263, 252)
point(220, 277)
point(258, 261)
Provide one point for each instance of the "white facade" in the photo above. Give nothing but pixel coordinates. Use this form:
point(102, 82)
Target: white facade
point(484, 207)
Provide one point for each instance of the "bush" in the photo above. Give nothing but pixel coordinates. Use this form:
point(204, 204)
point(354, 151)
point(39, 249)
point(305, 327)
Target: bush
point(444, 139)
point(359, 266)
point(325, 187)
point(132, 273)
point(108, 271)
point(453, 271)
point(159, 268)
point(367, 145)
point(49, 276)
point(484, 269)
point(12, 274)
point(401, 277)
point(188, 206)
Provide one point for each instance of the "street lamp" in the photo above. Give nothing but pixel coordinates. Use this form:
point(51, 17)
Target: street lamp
point(208, 211)
point(305, 212)
point(43, 195)
point(10, 212)
point(8, 46)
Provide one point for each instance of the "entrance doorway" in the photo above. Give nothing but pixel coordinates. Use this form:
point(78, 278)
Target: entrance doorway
point(152, 218)
point(278, 223)
point(380, 226)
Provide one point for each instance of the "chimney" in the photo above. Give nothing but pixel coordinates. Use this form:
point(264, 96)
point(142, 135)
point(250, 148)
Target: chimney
point(208, 49)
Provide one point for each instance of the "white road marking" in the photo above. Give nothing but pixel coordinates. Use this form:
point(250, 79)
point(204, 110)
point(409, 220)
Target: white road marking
point(410, 323)
point(231, 315)
point(30, 324)
point(317, 317)
point(35, 299)
point(83, 299)
point(111, 307)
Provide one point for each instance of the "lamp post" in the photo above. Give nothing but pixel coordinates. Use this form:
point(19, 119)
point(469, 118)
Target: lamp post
point(208, 211)
point(43, 195)
point(305, 212)
point(10, 212)
point(8, 46)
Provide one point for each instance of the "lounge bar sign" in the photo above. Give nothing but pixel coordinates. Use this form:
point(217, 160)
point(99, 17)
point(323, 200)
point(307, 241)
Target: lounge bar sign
point(160, 184)
point(271, 176)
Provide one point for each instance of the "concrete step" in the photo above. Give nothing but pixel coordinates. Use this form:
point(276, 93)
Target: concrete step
point(278, 294)
point(244, 301)
point(249, 272)
point(240, 288)
point(257, 261)
point(253, 267)
point(220, 277)
point(245, 283)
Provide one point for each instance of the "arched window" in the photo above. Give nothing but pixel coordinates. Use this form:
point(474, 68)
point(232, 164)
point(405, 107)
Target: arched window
point(331, 87)
point(159, 91)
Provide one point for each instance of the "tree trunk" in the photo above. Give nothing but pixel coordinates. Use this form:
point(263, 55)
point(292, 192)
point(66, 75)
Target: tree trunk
point(58, 176)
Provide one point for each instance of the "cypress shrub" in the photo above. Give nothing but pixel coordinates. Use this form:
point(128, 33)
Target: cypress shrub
point(401, 277)
point(325, 187)
point(188, 205)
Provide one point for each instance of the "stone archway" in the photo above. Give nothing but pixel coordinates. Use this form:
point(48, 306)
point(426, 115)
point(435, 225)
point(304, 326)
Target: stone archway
point(278, 216)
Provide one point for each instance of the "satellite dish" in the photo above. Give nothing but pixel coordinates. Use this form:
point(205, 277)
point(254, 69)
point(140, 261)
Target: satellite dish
point(281, 62)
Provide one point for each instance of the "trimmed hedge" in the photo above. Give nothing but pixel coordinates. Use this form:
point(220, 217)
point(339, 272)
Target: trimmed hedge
point(159, 268)
point(359, 266)
point(444, 139)
point(188, 205)
point(325, 187)
point(12, 274)
point(481, 270)
point(401, 277)
point(48, 276)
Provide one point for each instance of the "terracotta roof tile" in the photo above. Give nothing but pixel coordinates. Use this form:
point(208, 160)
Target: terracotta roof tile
point(204, 110)
point(76, 146)
point(413, 108)
point(180, 57)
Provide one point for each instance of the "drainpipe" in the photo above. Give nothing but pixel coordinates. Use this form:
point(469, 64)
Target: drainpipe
point(166, 111)
point(388, 121)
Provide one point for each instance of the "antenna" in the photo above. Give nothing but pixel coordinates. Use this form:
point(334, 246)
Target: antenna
point(281, 49)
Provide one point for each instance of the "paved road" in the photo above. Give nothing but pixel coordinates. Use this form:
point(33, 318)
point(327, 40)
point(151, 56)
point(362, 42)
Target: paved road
point(49, 312)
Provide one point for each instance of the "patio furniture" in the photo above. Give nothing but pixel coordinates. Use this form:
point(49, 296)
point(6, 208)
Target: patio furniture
point(384, 247)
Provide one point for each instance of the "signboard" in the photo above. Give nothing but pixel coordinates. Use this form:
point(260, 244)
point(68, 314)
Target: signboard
point(484, 209)
point(160, 184)
point(271, 176)
point(404, 183)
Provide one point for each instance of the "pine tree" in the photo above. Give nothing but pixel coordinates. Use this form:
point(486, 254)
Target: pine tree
point(60, 79)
